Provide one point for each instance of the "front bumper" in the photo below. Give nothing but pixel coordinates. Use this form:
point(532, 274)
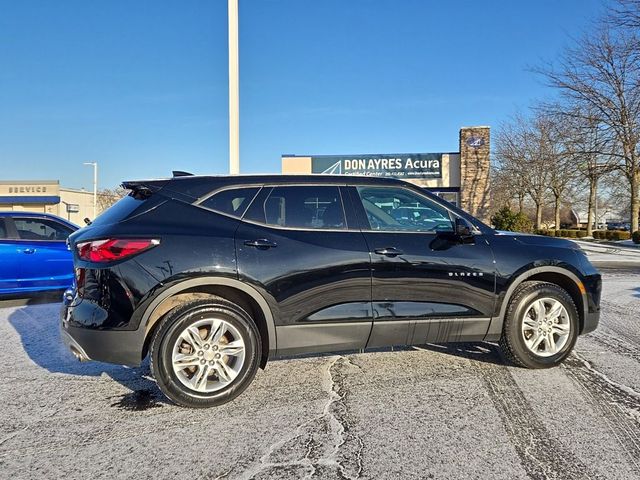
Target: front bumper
point(593, 287)
point(111, 346)
point(591, 321)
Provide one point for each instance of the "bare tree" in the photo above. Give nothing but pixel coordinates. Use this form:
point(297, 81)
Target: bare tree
point(561, 178)
point(562, 171)
point(506, 188)
point(625, 14)
point(107, 197)
point(587, 148)
point(601, 76)
point(525, 154)
point(509, 179)
point(615, 195)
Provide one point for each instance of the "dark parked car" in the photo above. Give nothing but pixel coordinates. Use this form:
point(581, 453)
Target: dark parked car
point(214, 276)
point(624, 226)
point(33, 253)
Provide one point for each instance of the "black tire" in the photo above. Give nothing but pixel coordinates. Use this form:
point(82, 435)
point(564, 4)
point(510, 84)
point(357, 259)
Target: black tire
point(512, 344)
point(168, 332)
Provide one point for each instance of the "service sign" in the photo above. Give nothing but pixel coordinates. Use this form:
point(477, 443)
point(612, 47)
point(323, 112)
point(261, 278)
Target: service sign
point(22, 188)
point(401, 165)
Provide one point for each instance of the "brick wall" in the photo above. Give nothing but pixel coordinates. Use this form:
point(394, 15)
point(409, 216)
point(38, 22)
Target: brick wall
point(474, 171)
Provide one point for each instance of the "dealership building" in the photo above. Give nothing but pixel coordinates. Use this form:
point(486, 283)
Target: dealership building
point(46, 196)
point(460, 177)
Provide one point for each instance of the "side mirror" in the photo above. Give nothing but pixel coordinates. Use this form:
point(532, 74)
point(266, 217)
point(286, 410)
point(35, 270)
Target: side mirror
point(463, 228)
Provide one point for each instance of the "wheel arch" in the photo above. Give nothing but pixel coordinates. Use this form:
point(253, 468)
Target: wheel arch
point(560, 276)
point(203, 287)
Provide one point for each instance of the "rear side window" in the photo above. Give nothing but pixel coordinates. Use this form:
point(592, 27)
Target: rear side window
point(41, 229)
point(119, 210)
point(3, 230)
point(304, 207)
point(233, 202)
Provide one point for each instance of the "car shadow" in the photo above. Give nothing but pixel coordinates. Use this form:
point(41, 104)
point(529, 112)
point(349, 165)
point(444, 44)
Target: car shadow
point(37, 323)
point(482, 352)
point(19, 300)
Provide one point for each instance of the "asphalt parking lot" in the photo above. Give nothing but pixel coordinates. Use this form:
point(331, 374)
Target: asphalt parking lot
point(424, 412)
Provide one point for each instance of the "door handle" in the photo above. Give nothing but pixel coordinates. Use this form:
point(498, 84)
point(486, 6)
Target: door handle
point(29, 250)
point(261, 244)
point(388, 251)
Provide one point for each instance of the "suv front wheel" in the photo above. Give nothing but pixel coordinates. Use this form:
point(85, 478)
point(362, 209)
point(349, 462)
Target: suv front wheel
point(205, 353)
point(540, 326)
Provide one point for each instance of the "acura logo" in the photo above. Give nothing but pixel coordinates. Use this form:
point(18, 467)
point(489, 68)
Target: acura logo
point(475, 142)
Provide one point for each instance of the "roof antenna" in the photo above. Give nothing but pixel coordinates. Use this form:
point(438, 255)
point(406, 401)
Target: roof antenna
point(180, 173)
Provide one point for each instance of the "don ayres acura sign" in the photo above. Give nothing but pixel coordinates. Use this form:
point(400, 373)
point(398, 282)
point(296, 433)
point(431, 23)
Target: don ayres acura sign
point(401, 165)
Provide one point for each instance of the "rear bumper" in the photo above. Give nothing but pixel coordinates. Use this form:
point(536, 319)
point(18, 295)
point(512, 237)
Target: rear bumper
point(111, 346)
point(74, 347)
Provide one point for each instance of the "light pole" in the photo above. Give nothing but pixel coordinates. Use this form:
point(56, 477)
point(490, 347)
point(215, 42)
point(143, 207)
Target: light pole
point(234, 90)
point(95, 187)
point(599, 170)
point(595, 206)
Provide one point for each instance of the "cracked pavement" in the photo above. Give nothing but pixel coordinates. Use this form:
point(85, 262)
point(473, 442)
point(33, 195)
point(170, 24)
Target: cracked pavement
point(432, 411)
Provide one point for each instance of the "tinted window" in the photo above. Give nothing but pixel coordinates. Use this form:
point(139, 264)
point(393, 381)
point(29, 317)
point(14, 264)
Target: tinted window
point(399, 209)
point(3, 230)
point(41, 229)
point(451, 197)
point(232, 202)
point(305, 207)
point(119, 210)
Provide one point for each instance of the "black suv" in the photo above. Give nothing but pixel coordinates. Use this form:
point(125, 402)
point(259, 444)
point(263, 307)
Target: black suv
point(214, 275)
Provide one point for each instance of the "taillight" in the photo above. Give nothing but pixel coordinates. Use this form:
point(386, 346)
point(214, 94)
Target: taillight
point(113, 249)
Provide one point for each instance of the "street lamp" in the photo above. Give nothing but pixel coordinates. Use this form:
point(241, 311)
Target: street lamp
point(95, 187)
point(234, 90)
point(599, 169)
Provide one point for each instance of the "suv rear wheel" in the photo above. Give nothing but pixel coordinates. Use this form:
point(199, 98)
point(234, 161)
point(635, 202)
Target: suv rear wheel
point(205, 353)
point(540, 327)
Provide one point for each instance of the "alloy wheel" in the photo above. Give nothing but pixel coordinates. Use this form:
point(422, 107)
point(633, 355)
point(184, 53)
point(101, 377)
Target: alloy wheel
point(208, 355)
point(546, 327)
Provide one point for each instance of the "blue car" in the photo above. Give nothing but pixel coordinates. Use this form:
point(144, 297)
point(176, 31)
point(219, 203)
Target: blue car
point(33, 253)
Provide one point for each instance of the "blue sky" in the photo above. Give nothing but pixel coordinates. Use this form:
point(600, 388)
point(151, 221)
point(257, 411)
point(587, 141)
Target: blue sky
point(141, 86)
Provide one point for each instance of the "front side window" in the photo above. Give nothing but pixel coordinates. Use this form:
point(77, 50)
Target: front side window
point(399, 209)
point(305, 207)
point(41, 229)
point(233, 202)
